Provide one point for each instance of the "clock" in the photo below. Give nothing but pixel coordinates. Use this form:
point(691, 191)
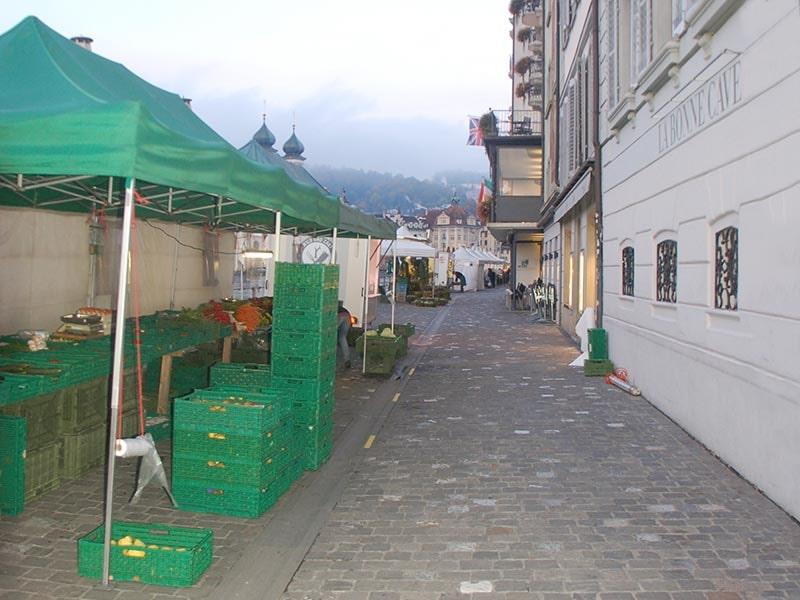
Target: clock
point(316, 251)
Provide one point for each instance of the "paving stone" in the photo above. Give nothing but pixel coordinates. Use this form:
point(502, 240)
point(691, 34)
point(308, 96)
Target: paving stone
point(596, 494)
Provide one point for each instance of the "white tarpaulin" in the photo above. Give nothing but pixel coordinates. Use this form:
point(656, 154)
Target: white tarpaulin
point(413, 247)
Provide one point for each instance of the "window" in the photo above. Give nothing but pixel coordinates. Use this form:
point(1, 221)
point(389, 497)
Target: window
point(627, 271)
point(667, 271)
point(612, 66)
point(641, 37)
point(568, 252)
point(680, 10)
point(726, 269)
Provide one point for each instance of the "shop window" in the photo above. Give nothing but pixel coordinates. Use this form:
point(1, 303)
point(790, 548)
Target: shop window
point(726, 269)
point(627, 271)
point(667, 271)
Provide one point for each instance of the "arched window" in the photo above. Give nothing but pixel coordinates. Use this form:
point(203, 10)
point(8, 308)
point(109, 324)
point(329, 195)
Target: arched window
point(726, 269)
point(667, 271)
point(627, 271)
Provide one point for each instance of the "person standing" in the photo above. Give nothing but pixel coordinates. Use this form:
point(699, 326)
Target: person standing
point(342, 331)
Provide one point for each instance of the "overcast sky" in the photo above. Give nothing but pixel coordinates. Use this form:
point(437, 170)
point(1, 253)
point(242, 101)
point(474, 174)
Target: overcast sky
point(374, 84)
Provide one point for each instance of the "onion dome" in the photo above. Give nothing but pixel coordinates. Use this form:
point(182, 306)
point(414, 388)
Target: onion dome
point(264, 136)
point(293, 148)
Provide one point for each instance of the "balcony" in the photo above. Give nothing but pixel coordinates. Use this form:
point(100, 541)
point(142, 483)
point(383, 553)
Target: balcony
point(503, 123)
point(516, 209)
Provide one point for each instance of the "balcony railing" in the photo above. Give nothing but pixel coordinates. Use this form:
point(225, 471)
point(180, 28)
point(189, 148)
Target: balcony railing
point(513, 122)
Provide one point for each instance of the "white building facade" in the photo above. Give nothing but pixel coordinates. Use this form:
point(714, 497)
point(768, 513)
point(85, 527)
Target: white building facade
point(570, 254)
point(700, 133)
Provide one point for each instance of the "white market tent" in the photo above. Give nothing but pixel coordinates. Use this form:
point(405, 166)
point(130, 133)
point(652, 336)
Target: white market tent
point(471, 263)
point(408, 244)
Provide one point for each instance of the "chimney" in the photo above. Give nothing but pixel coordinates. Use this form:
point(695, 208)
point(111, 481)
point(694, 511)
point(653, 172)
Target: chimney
point(83, 41)
point(187, 102)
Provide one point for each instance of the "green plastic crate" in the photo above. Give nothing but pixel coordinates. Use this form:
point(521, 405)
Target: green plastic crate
point(305, 389)
point(173, 556)
point(312, 365)
point(224, 470)
point(14, 388)
point(304, 343)
point(281, 400)
point(241, 375)
point(597, 368)
point(311, 412)
point(83, 450)
point(13, 441)
point(303, 321)
point(316, 456)
point(242, 411)
point(306, 275)
point(223, 443)
point(84, 404)
point(42, 470)
point(43, 415)
point(314, 434)
point(231, 499)
point(306, 297)
point(381, 353)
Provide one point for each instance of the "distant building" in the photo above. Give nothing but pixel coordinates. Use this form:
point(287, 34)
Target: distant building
point(452, 228)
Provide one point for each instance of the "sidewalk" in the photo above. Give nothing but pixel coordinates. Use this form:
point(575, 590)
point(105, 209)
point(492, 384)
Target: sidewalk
point(502, 473)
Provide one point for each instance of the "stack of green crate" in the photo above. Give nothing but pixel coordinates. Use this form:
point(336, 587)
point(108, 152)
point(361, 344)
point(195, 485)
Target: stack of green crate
point(84, 423)
point(42, 416)
point(304, 330)
point(234, 451)
point(13, 433)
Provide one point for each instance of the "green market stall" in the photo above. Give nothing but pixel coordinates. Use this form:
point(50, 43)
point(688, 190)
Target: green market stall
point(79, 132)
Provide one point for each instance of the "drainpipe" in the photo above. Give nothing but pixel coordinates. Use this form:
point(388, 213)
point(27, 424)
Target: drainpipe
point(597, 166)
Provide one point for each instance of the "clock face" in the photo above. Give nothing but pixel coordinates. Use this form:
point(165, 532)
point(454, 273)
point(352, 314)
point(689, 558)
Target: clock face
point(316, 252)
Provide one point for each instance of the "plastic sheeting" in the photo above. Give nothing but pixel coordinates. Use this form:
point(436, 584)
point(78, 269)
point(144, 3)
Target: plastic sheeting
point(46, 256)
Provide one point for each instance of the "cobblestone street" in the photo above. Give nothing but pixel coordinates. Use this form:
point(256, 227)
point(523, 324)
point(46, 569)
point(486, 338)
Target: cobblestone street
point(498, 472)
point(503, 473)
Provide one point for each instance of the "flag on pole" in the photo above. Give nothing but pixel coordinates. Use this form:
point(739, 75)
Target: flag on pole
point(486, 192)
point(475, 137)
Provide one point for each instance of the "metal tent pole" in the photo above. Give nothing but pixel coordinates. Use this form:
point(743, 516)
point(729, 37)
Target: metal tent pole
point(116, 378)
point(333, 250)
point(175, 267)
point(364, 308)
point(394, 279)
point(277, 252)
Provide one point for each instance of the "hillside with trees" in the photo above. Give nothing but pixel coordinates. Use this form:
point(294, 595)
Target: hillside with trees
point(377, 192)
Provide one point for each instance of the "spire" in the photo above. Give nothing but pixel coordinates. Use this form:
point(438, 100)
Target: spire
point(264, 137)
point(293, 148)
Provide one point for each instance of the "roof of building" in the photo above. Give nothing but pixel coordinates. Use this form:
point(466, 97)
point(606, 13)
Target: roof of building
point(264, 137)
point(293, 148)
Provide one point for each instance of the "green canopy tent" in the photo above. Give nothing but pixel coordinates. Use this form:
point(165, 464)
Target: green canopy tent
point(74, 125)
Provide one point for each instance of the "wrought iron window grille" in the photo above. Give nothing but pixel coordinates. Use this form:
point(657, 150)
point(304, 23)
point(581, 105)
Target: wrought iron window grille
point(627, 271)
point(726, 269)
point(667, 271)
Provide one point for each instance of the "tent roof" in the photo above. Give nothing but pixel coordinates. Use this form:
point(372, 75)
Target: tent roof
point(476, 255)
point(71, 121)
point(407, 247)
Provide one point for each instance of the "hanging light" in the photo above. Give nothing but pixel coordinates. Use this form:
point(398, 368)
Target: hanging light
point(256, 253)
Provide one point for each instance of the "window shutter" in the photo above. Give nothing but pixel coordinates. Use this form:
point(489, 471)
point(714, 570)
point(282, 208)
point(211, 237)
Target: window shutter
point(571, 127)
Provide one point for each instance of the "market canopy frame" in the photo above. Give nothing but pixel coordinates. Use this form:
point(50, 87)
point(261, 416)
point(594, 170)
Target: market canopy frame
point(75, 125)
